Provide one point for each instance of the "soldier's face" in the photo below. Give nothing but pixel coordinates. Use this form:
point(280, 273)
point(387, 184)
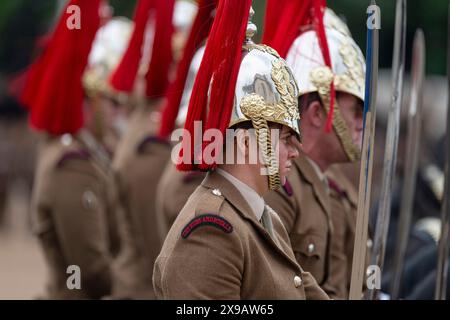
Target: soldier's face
point(114, 120)
point(352, 112)
point(287, 151)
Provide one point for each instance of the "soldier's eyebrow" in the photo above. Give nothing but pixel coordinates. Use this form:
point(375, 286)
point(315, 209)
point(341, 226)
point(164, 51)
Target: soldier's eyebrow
point(286, 134)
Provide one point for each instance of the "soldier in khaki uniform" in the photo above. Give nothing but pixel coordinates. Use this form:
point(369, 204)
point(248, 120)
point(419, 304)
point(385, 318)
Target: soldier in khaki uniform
point(175, 187)
point(304, 207)
point(75, 202)
point(139, 165)
point(343, 204)
point(233, 258)
point(306, 203)
point(142, 153)
point(226, 243)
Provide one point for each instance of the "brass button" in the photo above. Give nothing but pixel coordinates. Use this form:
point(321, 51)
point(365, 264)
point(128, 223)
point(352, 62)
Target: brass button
point(311, 247)
point(89, 200)
point(66, 139)
point(369, 243)
point(217, 192)
point(297, 281)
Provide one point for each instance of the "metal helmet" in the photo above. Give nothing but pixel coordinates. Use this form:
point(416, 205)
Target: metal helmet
point(266, 91)
point(109, 45)
point(262, 73)
point(183, 16)
point(332, 21)
point(348, 72)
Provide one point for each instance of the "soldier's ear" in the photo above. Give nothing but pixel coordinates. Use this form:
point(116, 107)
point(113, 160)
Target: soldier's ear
point(314, 114)
point(242, 141)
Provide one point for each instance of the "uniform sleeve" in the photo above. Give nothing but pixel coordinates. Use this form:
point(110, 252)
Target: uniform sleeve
point(284, 206)
point(312, 289)
point(207, 264)
point(80, 219)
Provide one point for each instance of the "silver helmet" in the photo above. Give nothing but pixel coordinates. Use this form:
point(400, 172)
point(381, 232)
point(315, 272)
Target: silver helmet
point(348, 71)
point(183, 17)
point(109, 45)
point(266, 91)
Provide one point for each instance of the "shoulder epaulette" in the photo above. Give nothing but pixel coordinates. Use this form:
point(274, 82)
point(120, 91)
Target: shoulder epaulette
point(191, 176)
point(148, 140)
point(334, 186)
point(74, 154)
point(207, 213)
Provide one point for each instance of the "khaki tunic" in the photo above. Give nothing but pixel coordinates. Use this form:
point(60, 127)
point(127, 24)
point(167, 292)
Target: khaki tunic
point(234, 258)
point(174, 189)
point(139, 163)
point(75, 216)
point(303, 205)
point(344, 204)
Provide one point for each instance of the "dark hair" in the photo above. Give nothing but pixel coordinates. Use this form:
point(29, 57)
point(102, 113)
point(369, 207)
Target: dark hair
point(305, 100)
point(247, 125)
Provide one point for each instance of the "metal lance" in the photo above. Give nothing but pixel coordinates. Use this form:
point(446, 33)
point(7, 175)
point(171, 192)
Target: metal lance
point(365, 180)
point(411, 159)
point(442, 265)
point(390, 155)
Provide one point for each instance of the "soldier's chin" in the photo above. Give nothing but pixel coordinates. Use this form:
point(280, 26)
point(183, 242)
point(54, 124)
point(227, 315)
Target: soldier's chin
point(358, 143)
point(283, 180)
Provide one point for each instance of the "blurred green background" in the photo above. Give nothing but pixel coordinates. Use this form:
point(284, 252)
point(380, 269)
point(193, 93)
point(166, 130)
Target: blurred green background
point(21, 21)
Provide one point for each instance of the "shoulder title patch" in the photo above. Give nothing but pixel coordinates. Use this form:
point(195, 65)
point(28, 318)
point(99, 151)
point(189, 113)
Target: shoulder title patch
point(207, 220)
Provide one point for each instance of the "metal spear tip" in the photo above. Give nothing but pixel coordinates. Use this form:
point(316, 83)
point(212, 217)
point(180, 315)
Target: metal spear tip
point(252, 29)
point(252, 14)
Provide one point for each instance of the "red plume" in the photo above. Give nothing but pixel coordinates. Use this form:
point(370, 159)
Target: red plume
point(222, 60)
point(162, 56)
point(297, 14)
point(124, 76)
point(274, 12)
point(198, 34)
point(53, 90)
point(319, 9)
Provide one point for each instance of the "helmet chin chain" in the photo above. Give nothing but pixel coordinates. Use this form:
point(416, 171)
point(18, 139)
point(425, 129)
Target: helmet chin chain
point(270, 161)
point(352, 151)
point(321, 78)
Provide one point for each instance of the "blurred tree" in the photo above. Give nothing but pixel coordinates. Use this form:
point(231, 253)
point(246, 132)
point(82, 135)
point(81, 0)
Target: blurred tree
point(431, 16)
point(21, 21)
point(123, 8)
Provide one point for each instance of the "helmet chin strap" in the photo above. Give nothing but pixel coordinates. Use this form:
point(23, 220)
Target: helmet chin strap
point(352, 151)
point(321, 78)
point(265, 144)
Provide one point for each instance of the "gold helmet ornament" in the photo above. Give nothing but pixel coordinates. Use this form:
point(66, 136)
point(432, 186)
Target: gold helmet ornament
point(255, 86)
point(183, 16)
point(107, 50)
point(306, 59)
